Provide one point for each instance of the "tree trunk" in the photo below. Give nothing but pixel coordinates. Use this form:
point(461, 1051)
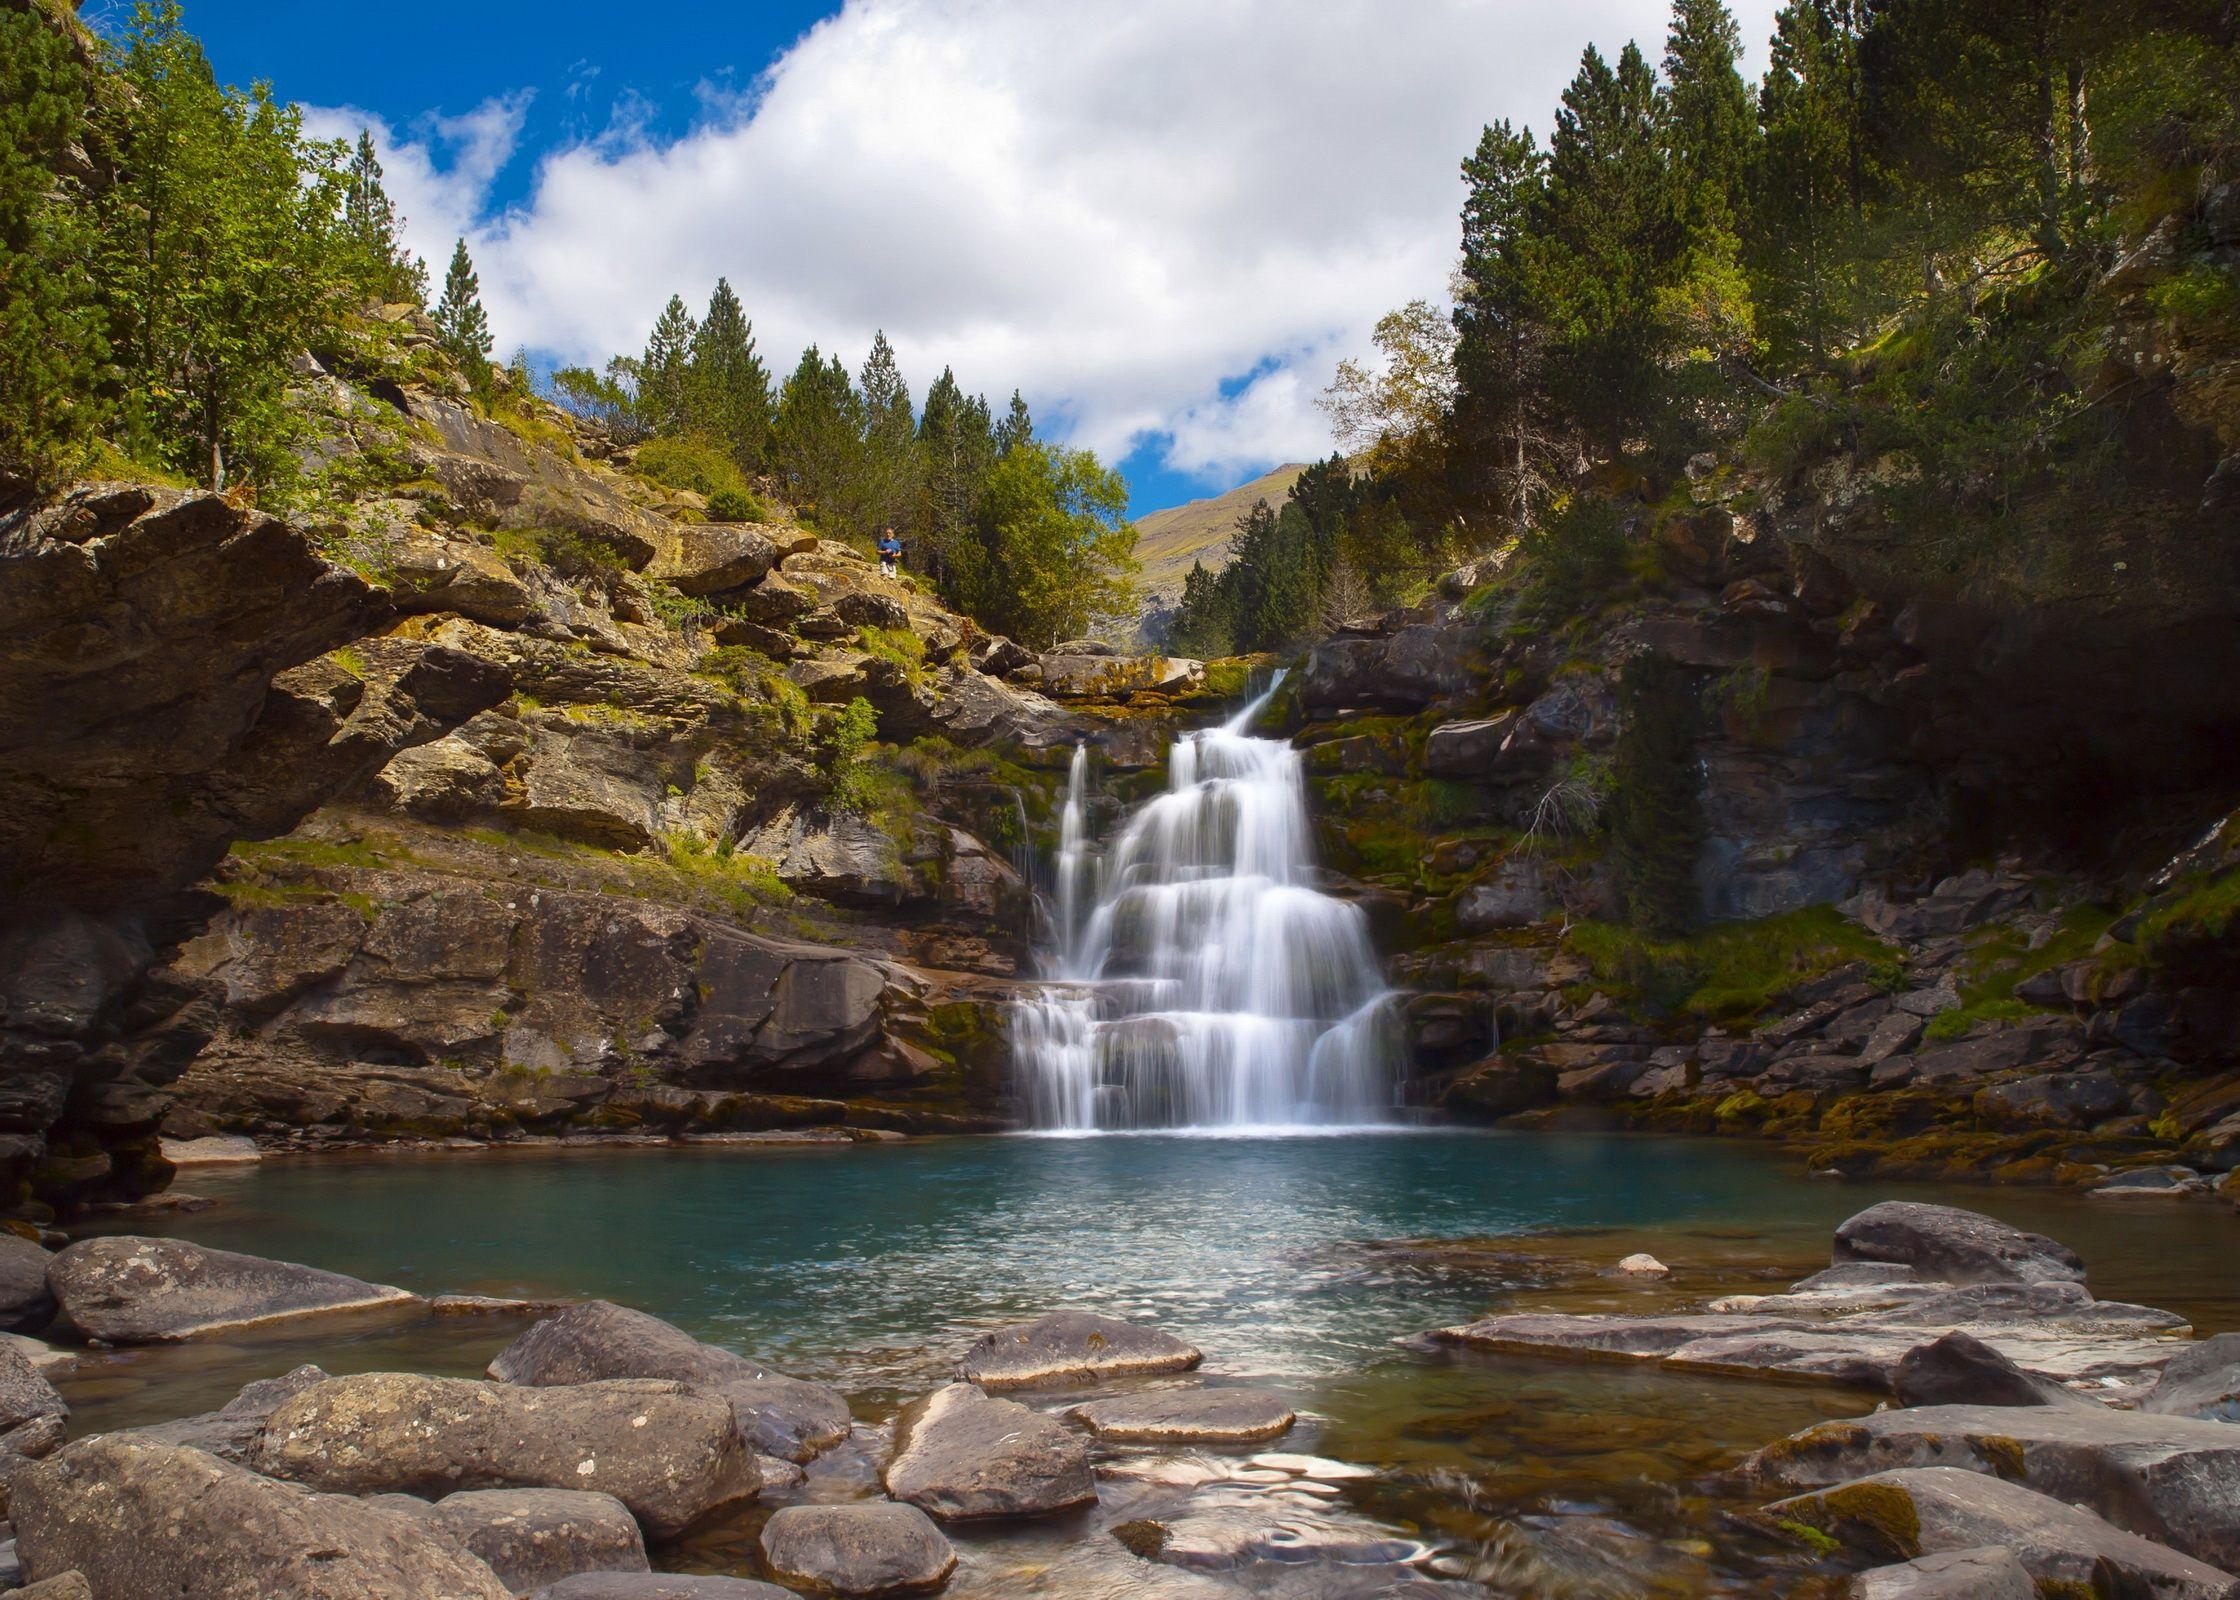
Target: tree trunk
point(2080, 141)
point(2050, 238)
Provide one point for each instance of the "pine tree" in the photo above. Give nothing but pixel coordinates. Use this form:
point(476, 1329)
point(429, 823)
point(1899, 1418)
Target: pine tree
point(1502, 331)
point(1610, 240)
point(370, 223)
point(51, 349)
point(890, 458)
point(665, 370)
point(460, 320)
point(955, 449)
point(1806, 185)
point(726, 388)
point(1709, 128)
point(1017, 427)
point(816, 443)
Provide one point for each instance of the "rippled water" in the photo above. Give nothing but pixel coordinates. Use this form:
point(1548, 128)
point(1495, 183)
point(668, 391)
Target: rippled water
point(871, 1266)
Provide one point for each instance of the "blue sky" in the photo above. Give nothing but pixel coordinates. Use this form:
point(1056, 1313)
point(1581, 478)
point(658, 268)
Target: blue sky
point(1165, 221)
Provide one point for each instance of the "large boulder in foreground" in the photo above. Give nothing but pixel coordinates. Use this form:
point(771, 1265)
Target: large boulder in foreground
point(2203, 1381)
point(158, 1522)
point(532, 1537)
point(669, 1455)
point(1072, 1347)
point(778, 1415)
point(1955, 1245)
point(962, 1454)
point(869, 1548)
point(230, 1432)
point(2171, 1479)
point(128, 1290)
point(1908, 1514)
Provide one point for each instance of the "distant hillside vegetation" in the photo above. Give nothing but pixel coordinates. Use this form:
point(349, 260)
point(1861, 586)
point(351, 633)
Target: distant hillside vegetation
point(1168, 541)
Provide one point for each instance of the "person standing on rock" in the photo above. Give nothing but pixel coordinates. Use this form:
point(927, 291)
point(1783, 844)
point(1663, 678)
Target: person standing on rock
point(890, 552)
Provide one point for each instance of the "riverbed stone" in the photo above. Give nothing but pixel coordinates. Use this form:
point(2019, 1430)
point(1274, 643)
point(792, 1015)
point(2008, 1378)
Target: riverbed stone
point(1224, 1537)
point(961, 1453)
point(1986, 1572)
point(2175, 1480)
point(671, 1456)
point(25, 1394)
point(868, 1548)
point(1922, 1511)
point(534, 1537)
point(1960, 1369)
point(147, 1521)
point(129, 1290)
point(659, 1586)
point(1958, 1246)
point(25, 1300)
point(69, 1585)
point(230, 1432)
point(2201, 1381)
point(780, 1416)
point(1072, 1347)
point(1188, 1416)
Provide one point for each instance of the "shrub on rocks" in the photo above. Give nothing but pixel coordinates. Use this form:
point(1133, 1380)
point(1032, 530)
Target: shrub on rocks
point(148, 1521)
point(669, 1455)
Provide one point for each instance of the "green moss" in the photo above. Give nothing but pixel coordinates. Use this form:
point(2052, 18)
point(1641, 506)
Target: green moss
point(2201, 911)
point(1228, 678)
point(1883, 1517)
point(1732, 973)
point(372, 850)
point(1810, 1537)
point(349, 660)
point(899, 647)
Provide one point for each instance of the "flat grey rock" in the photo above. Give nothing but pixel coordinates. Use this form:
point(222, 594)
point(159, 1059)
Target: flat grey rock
point(669, 1455)
point(871, 1547)
point(534, 1537)
point(1072, 1347)
point(1987, 1572)
point(2175, 1480)
point(134, 1517)
point(128, 1290)
point(1225, 1537)
point(659, 1586)
point(778, 1415)
point(1954, 1245)
point(1907, 1514)
point(2202, 1381)
point(1188, 1416)
point(962, 1454)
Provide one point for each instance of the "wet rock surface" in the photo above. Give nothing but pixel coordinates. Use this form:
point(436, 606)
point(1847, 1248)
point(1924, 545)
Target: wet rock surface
point(875, 1548)
point(534, 1537)
point(1187, 1416)
point(128, 1290)
point(1072, 1347)
point(962, 1454)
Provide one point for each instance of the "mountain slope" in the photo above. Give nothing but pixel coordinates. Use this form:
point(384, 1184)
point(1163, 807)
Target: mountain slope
point(1168, 541)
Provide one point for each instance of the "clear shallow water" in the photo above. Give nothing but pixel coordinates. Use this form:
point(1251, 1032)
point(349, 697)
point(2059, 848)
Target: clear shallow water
point(871, 1266)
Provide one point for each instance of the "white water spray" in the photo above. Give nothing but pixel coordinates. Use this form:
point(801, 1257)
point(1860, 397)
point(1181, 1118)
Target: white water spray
point(1200, 980)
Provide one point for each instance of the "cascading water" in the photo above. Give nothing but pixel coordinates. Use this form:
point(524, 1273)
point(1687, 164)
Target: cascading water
point(1199, 979)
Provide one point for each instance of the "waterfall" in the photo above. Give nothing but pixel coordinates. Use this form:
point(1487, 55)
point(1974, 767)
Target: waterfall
point(1199, 979)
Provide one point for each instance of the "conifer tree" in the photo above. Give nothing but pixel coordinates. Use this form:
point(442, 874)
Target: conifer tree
point(1709, 128)
point(1016, 428)
point(727, 389)
point(51, 349)
point(955, 449)
point(375, 232)
point(817, 443)
point(1806, 184)
point(890, 458)
point(1503, 333)
point(665, 370)
point(460, 320)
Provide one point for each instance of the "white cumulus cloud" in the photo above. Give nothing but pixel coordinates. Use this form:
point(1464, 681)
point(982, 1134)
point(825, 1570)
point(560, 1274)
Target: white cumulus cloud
point(1168, 218)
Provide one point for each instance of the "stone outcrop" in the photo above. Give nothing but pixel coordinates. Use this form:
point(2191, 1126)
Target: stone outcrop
point(532, 1537)
point(777, 1415)
point(1072, 1347)
point(964, 1455)
point(127, 1290)
point(1187, 1416)
point(873, 1548)
point(148, 1521)
point(669, 1455)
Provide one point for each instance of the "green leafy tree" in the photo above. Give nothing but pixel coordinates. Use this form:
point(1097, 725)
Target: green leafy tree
point(51, 346)
point(609, 398)
point(726, 387)
point(665, 370)
point(1056, 529)
point(817, 443)
point(374, 231)
point(219, 257)
point(890, 455)
point(460, 321)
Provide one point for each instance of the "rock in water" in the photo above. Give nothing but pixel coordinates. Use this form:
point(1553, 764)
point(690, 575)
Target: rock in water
point(1960, 1370)
point(532, 1537)
point(1932, 1510)
point(960, 1454)
point(669, 1455)
point(25, 1301)
point(779, 1416)
point(1643, 1265)
point(874, 1548)
point(1187, 1416)
point(158, 1522)
point(658, 1586)
point(1988, 1573)
point(2203, 1381)
point(1958, 1246)
point(128, 1290)
point(230, 1432)
point(1072, 1347)
point(2171, 1479)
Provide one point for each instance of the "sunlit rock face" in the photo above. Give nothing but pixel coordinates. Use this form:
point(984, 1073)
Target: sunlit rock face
point(1202, 982)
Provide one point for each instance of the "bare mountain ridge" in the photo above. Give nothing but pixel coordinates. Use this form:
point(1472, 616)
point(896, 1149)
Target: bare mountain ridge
point(1168, 541)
